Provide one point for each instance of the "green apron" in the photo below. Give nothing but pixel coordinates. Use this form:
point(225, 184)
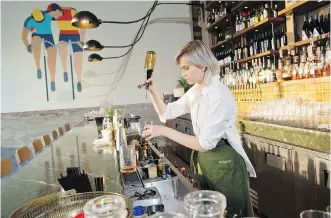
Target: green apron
point(224, 170)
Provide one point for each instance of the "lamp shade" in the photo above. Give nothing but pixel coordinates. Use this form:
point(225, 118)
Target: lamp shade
point(86, 20)
point(95, 58)
point(93, 45)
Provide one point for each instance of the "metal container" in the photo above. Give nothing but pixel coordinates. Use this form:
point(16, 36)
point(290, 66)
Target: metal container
point(62, 205)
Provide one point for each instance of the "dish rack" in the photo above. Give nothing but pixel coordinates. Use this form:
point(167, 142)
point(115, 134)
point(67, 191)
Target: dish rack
point(61, 205)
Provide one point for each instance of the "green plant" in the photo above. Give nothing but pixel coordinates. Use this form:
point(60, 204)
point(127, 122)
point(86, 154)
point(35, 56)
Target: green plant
point(182, 83)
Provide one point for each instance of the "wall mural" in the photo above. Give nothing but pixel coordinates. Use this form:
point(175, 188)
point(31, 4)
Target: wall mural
point(69, 47)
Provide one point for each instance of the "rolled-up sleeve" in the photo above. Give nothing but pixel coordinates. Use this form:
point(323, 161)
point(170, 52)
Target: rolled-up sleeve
point(176, 109)
point(215, 124)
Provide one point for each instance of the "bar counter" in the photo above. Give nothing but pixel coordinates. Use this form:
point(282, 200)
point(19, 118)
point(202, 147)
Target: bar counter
point(75, 149)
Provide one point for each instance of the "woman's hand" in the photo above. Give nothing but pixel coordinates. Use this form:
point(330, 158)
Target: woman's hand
point(151, 131)
point(150, 84)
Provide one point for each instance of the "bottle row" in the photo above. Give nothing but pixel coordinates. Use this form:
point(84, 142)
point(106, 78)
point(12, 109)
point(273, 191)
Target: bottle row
point(314, 27)
point(308, 62)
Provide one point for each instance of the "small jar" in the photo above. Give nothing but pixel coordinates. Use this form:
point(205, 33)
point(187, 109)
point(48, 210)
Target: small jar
point(139, 212)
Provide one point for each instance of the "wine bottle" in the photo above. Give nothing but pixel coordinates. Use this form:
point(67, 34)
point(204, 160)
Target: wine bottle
point(305, 33)
point(275, 11)
point(311, 27)
point(316, 26)
point(283, 40)
point(266, 11)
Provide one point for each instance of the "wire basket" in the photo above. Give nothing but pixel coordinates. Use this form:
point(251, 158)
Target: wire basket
point(61, 205)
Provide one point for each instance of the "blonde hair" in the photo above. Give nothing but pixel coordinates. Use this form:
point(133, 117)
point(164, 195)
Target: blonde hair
point(199, 54)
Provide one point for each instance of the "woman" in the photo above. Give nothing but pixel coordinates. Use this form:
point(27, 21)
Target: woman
point(218, 160)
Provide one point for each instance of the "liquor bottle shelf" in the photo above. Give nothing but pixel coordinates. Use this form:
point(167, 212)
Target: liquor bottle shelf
point(220, 43)
point(271, 52)
point(304, 42)
point(210, 5)
point(217, 22)
point(303, 7)
point(259, 24)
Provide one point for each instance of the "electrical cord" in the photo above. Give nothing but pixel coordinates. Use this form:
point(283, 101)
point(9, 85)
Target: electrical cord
point(150, 11)
point(144, 28)
point(148, 14)
point(149, 193)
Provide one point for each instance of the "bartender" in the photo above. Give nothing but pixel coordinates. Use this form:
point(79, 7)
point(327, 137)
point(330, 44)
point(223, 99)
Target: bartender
point(218, 160)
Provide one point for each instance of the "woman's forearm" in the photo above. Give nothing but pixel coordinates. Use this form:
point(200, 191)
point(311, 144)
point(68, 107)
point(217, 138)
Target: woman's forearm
point(183, 139)
point(157, 102)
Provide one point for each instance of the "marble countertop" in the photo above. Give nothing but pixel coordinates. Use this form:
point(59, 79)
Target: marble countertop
point(39, 176)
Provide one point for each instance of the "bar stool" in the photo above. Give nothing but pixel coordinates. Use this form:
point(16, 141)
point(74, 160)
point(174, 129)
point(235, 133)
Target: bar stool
point(6, 166)
point(67, 127)
point(47, 140)
point(23, 155)
point(61, 132)
point(55, 135)
point(37, 146)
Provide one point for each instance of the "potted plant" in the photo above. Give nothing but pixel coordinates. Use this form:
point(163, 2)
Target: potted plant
point(183, 84)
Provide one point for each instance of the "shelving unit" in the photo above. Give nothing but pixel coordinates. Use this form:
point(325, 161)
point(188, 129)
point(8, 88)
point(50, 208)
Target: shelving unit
point(303, 7)
point(272, 52)
point(217, 22)
point(304, 42)
point(220, 43)
point(268, 20)
point(286, 21)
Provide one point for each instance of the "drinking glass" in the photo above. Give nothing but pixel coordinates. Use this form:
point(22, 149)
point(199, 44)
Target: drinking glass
point(314, 214)
point(127, 158)
point(205, 203)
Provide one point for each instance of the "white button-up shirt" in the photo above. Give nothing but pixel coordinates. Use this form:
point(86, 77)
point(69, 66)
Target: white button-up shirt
point(213, 114)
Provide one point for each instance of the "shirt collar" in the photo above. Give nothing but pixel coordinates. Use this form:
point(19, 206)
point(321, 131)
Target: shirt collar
point(207, 89)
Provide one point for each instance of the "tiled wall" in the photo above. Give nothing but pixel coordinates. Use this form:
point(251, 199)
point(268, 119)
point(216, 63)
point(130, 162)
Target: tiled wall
point(312, 90)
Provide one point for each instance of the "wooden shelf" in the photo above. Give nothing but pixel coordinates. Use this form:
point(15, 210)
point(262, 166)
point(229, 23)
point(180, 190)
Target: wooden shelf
point(257, 56)
point(239, 5)
point(303, 7)
point(305, 81)
point(220, 43)
point(267, 20)
point(217, 22)
point(304, 42)
point(289, 9)
point(210, 5)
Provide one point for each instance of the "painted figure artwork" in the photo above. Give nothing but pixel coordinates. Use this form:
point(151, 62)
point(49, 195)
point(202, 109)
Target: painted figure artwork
point(39, 24)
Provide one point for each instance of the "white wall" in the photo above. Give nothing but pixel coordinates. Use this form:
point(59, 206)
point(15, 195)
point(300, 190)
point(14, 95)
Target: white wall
point(22, 91)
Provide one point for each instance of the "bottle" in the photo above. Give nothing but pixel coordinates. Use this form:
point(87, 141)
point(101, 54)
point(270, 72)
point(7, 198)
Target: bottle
point(261, 13)
point(237, 23)
point(268, 71)
point(275, 11)
point(305, 33)
point(266, 11)
point(256, 16)
point(283, 40)
point(327, 59)
point(311, 27)
point(316, 26)
point(277, 36)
